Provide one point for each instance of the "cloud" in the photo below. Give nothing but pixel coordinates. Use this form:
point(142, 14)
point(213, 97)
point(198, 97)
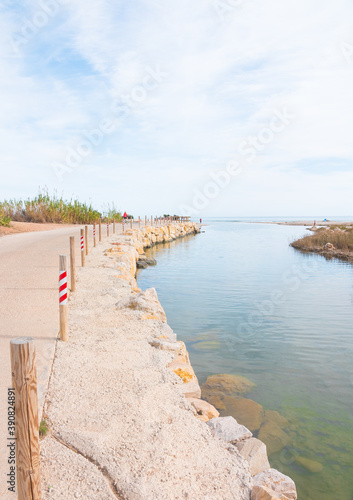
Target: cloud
point(225, 79)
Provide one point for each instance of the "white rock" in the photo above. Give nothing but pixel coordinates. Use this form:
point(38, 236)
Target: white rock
point(275, 480)
point(228, 429)
point(254, 451)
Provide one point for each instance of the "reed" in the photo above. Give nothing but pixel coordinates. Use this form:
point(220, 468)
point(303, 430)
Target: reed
point(340, 238)
point(51, 208)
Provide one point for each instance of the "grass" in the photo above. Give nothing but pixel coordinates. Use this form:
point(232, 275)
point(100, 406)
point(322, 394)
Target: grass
point(51, 208)
point(340, 239)
point(43, 428)
point(4, 220)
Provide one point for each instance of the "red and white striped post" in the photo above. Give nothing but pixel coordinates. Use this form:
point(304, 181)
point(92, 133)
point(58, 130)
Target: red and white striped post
point(63, 298)
point(86, 239)
point(100, 230)
point(94, 236)
point(83, 256)
point(108, 228)
point(72, 263)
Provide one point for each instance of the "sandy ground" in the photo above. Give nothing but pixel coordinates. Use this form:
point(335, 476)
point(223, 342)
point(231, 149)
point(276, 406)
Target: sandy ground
point(311, 223)
point(29, 307)
point(120, 426)
point(29, 227)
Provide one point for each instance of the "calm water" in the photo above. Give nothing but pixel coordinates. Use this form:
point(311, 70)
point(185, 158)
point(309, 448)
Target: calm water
point(246, 303)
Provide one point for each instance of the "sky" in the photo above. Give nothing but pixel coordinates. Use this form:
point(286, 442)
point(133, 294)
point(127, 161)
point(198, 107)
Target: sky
point(199, 107)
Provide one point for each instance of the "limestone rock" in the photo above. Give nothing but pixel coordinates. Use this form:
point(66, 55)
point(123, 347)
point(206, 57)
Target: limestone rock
point(214, 399)
point(141, 264)
point(228, 429)
point(183, 370)
point(308, 464)
point(204, 410)
point(191, 389)
point(228, 384)
point(245, 411)
point(164, 345)
point(263, 493)
point(254, 451)
point(146, 302)
point(166, 333)
point(278, 482)
point(274, 437)
point(275, 417)
point(182, 355)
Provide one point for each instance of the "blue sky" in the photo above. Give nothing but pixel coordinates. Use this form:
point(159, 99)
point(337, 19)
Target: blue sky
point(181, 89)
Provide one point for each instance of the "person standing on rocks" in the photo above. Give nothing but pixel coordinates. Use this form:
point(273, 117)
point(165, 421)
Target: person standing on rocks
point(125, 215)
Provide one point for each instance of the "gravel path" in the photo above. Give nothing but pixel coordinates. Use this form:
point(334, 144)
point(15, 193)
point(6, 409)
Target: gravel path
point(120, 426)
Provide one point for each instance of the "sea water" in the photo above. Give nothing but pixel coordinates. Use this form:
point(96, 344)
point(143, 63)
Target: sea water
point(246, 303)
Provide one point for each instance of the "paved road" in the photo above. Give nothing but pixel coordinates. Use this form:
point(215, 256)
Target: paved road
point(29, 307)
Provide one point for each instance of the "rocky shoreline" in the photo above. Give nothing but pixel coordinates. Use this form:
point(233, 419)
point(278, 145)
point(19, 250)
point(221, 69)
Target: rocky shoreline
point(124, 405)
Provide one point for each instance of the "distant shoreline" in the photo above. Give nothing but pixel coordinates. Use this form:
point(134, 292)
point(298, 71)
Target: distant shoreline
point(306, 223)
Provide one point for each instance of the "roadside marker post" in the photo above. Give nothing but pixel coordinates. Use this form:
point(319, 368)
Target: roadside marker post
point(108, 229)
point(131, 223)
point(24, 386)
point(83, 256)
point(63, 298)
point(94, 236)
point(72, 263)
point(123, 224)
point(113, 226)
point(100, 230)
point(86, 239)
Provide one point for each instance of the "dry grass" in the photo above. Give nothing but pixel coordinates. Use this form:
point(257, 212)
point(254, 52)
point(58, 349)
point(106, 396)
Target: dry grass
point(340, 238)
point(52, 209)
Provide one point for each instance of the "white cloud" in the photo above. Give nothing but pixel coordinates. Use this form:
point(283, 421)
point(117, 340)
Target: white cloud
point(225, 79)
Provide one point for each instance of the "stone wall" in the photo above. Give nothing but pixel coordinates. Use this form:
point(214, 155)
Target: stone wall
point(267, 483)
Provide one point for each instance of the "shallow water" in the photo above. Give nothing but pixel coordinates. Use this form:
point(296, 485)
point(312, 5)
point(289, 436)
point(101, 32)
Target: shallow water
point(246, 303)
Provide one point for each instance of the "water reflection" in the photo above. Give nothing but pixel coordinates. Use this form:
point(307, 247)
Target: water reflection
point(247, 304)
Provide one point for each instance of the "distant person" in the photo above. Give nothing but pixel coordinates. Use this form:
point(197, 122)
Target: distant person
point(200, 221)
point(314, 223)
point(125, 215)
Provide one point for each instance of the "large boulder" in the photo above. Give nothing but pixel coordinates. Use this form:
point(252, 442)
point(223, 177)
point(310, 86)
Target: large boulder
point(228, 384)
point(190, 387)
point(204, 411)
point(309, 464)
point(254, 451)
point(246, 411)
point(228, 429)
point(146, 302)
point(277, 482)
point(275, 417)
point(273, 436)
point(263, 493)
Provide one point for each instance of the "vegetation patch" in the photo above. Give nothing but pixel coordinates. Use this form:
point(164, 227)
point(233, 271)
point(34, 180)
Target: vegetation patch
point(53, 209)
point(341, 238)
point(43, 428)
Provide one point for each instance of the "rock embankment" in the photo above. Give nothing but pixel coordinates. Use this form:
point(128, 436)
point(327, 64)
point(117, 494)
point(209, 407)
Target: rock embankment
point(124, 409)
